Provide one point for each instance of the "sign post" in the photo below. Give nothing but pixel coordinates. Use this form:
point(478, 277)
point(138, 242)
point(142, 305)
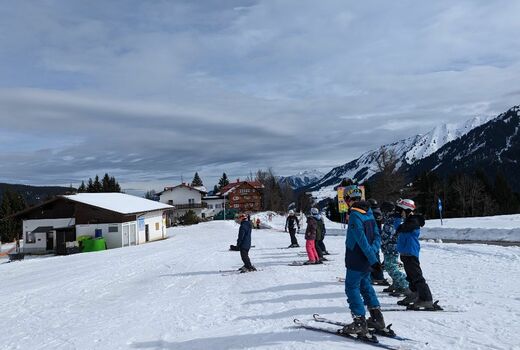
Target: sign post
point(439, 205)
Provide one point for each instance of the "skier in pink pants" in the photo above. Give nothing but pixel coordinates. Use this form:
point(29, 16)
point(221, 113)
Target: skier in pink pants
point(310, 237)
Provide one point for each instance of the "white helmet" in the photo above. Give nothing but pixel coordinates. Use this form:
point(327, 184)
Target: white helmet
point(406, 204)
point(291, 212)
point(314, 211)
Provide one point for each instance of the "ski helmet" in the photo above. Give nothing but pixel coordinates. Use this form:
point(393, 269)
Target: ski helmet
point(291, 212)
point(406, 204)
point(314, 211)
point(387, 207)
point(353, 192)
point(373, 203)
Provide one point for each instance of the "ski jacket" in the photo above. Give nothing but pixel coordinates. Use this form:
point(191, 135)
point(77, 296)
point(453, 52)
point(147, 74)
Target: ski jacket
point(408, 235)
point(320, 228)
point(244, 235)
point(363, 240)
point(388, 233)
point(312, 226)
point(291, 220)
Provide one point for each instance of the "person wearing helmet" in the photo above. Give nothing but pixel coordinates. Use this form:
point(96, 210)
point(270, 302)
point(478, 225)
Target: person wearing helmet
point(362, 245)
point(391, 220)
point(408, 246)
point(290, 223)
point(244, 243)
point(310, 237)
point(378, 278)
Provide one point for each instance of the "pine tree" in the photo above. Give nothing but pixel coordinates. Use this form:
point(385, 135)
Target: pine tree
point(11, 228)
point(196, 182)
point(223, 182)
point(106, 183)
point(82, 187)
point(215, 189)
point(90, 186)
point(97, 185)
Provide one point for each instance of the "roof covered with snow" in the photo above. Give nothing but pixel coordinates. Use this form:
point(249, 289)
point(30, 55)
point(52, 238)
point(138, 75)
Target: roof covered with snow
point(118, 202)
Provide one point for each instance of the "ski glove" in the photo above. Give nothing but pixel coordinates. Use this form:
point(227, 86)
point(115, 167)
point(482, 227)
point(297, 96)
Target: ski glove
point(377, 267)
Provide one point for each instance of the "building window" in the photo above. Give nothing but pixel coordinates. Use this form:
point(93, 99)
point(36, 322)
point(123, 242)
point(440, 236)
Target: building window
point(156, 226)
point(210, 206)
point(236, 198)
point(191, 201)
point(237, 205)
point(113, 229)
point(218, 206)
point(30, 237)
point(170, 202)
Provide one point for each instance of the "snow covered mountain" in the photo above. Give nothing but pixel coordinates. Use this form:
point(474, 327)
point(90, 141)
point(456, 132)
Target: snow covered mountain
point(491, 147)
point(408, 151)
point(301, 179)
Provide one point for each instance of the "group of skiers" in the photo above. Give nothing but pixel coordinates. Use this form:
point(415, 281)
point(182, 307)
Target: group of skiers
point(391, 228)
point(395, 229)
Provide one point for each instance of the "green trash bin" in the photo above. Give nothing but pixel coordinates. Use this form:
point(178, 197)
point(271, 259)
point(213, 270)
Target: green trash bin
point(94, 245)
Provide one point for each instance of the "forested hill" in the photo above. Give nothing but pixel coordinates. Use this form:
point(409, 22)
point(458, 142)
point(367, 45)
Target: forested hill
point(34, 194)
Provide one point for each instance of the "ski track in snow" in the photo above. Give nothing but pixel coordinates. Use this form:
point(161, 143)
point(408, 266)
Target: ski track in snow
point(172, 294)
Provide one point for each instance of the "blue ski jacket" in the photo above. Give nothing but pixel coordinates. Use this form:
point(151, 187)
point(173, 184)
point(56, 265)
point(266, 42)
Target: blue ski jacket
point(408, 235)
point(363, 240)
point(389, 233)
point(244, 235)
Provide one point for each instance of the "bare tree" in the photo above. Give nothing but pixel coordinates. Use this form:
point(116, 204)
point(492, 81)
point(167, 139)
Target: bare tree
point(389, 179)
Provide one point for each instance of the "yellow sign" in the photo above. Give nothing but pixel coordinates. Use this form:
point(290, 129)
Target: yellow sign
point(342, 205)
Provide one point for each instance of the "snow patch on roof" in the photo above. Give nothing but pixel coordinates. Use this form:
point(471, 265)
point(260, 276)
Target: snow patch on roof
point(118, 202)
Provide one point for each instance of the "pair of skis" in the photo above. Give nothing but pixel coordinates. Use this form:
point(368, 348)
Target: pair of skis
point(370, 339)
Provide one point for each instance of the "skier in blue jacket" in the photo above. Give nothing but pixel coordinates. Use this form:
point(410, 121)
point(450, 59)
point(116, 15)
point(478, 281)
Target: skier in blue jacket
point(244, 243)
point(362, 245)
point(408, 246)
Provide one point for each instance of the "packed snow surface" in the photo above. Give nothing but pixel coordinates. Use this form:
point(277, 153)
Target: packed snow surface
point(171, 294)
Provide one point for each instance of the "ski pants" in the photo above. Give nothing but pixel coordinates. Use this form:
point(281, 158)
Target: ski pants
point(318, 249)
point(378, 276)
point(414, 276)
point(244, 254)
point(359, 291)
point(292, 233)
point(321, 245)
point(392, 267)
point(311, 250)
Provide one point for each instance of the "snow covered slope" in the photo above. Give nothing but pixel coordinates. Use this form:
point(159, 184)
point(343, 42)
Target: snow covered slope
point(171, 295)
point(408, 151)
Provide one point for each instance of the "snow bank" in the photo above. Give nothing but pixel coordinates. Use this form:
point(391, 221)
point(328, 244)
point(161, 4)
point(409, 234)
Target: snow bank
point(488, 228)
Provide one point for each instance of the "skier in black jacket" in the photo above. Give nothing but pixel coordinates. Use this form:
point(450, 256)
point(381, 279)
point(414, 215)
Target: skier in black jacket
point(244, 243)
point(289, 223)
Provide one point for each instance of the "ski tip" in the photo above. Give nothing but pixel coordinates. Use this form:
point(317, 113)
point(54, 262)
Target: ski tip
point(316, 315)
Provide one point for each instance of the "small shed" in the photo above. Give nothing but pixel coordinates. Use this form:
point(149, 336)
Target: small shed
point(122, 219)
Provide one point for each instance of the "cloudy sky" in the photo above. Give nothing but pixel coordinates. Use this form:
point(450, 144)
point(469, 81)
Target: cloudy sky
point(150, 91)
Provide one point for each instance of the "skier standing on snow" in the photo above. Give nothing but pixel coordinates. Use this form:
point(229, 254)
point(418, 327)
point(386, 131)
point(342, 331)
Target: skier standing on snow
point(408, 246)
point(392, 219)
point(320, 235)
point(310, 237)
point(290, 224)
point(244, 243)
point(362, 244)
point(378, 278)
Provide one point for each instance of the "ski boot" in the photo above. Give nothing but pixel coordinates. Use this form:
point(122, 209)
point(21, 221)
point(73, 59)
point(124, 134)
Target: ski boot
point(390, 289)
point(252, 268)
point(309, 262)
point(376, 320)
point(319, 261)
point(382, 282)
point(358, 326)
point(243, 268)
point(400, 292)
point(324, 259)
point(409, 299)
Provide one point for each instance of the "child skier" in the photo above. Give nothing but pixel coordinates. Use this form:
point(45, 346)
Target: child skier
point(362, 244)
point(310, 237)
point(290, 223)
point(391, 221)
point(244, 243)
point(408, 246)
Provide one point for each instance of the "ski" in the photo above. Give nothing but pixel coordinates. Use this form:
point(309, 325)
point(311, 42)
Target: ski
point(369, 341)
point(301, 263)
point(387, 332)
